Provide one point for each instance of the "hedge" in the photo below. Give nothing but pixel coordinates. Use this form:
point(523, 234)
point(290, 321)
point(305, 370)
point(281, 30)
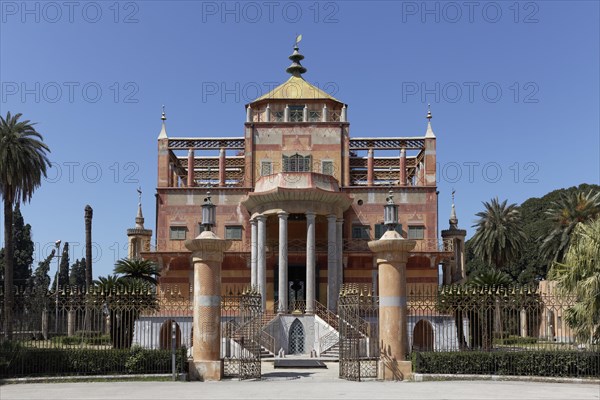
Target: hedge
point(27, 361)
point(522, 363)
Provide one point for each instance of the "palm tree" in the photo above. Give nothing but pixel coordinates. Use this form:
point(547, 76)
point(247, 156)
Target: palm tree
point(579, 276)
point(23, 162)
point(493, 278)
point(140, 276)
point(138, 270)
point(499, 238)
point(107, 284)
point(569, 210)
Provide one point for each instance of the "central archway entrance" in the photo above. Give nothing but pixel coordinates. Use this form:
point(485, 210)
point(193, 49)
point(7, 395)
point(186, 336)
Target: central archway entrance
point(296, 338)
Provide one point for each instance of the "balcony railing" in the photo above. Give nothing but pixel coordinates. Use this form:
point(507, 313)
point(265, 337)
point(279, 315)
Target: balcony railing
point(321, 246)
point(295, 116)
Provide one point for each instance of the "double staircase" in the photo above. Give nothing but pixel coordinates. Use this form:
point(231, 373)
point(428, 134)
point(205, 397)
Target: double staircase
point(329, 343)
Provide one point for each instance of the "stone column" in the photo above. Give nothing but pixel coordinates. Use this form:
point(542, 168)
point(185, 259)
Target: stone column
point(332, 259)
point(71, 323)
point(207, 256)
point(190, 171)
point(370, 164)
point(253, 253)
point(222, 167)
point(523, 318)
point(261, 259)
point(310, 262)
point(283, 263)
point(340, 254)
point(392, 253)
point(402, 175)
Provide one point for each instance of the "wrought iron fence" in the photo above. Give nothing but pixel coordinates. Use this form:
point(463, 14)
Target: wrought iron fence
point(118, 331)
point(241, 334)
point(495, 330)
point(358, 333)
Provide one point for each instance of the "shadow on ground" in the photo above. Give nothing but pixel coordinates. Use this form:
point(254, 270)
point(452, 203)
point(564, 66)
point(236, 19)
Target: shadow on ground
point(270, 376)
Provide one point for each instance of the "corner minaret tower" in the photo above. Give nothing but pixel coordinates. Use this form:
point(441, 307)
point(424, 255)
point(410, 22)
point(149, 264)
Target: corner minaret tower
point(454, 270)
point(138, 237)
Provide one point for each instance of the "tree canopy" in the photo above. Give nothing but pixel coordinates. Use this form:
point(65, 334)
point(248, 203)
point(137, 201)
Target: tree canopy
point(23, 162)
point(23, 251)
point(499, 236)
point(579, 275)
point(538, 224)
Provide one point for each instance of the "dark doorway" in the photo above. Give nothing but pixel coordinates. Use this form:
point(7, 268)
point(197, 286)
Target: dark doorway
point(423, 336)
point(296, 341)
point(166, 337)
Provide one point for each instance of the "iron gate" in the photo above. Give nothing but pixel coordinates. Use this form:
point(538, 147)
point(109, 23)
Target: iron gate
point(359, 333)
point(241, 320)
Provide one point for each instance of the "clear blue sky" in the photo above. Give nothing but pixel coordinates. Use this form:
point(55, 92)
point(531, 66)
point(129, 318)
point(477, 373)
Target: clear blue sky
point(513, 87)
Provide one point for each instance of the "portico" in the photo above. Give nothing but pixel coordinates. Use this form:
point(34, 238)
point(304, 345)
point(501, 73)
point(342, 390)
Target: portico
point(305, 196)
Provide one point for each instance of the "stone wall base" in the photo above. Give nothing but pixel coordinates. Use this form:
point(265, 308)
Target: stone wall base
point(206, 370)
point(392, 370)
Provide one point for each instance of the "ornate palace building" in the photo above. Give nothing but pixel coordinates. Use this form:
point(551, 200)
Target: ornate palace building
point(300, 197)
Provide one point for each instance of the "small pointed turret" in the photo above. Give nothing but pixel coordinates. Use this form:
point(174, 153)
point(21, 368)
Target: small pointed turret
point(453, 219)
point(454, 239)
point(163, 130)
point(296, 69)
point(429, 132)
point(139, 237)
point(139, 219)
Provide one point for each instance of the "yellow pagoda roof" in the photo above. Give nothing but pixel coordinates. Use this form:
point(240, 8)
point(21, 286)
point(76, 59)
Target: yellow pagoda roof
point(296, 88)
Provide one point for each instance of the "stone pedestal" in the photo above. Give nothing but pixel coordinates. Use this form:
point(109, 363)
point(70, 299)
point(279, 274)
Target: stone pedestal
point(392, 253)
point(207, 256)
point(206, 370)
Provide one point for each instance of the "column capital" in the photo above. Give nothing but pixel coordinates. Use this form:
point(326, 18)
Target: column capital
point(253, 221)
point(391, 248)
point(283, 214)
point(310, 215)
point(261, 217)
point(332, 218)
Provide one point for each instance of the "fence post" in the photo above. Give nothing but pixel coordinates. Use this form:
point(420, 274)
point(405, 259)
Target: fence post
point(173, 358)
point(45, 324)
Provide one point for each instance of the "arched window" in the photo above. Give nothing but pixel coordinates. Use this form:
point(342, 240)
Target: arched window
point(297, 163)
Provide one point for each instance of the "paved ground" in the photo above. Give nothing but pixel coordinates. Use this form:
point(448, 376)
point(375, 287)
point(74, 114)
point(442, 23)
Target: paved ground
point(302, 384)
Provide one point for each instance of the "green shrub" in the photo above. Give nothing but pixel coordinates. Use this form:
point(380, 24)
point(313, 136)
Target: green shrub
point(103, 340)
point(516, 340)
point(522, 363)
point(26, 361)
point(67, 340)
point(88, 334)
